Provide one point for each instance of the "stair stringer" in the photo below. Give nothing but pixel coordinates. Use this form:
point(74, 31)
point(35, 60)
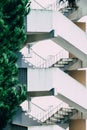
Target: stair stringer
point(69, 90)
point(73, 39)
point(72, 49)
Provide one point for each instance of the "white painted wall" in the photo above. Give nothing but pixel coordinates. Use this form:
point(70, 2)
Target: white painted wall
point(39, 79)
point(39, 21)
point(51, 127)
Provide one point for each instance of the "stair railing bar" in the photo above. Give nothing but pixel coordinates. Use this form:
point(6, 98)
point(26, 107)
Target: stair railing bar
point(37, 106)
point(40, 5)
point(40, 62)
point(53, 59)
point(50, 7)
point(36, 111)
point(56, 6)
point(35, 117)
point(37, 54)
point(42, 120)
point(29, 62)
point(45, 115)
point(46, 64)
point(36, 59)
point(49, 113)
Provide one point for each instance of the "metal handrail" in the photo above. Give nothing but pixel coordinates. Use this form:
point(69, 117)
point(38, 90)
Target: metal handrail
point(53, 59)
point(39, 4)
point(31, 49)
point(35, 111)
point(43, 116)
point(38, 61)
point(34, 58)
point(64, 6)
point(53, 111)
point(38, 106)
point(54, 6)
point(37, 54)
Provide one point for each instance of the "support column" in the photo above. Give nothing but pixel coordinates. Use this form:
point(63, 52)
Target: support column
point(77, 124)
point(29, 105)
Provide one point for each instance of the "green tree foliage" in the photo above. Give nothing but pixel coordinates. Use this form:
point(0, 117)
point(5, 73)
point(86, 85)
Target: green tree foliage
point(12, 37)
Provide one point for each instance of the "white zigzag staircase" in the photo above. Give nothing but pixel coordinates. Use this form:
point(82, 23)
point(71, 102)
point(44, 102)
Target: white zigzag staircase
point(72, 39)
point(69, 90)
point(34, 60)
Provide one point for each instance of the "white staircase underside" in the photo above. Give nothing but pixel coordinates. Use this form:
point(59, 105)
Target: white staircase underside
point(75, 38)
point(69, 90)
point(69, 31)
point(72, 49)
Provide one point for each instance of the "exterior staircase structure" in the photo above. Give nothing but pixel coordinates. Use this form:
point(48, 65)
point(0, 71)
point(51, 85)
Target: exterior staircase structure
point(61, 115)
point(68, 40)
point(60, 60)
point(36, 116)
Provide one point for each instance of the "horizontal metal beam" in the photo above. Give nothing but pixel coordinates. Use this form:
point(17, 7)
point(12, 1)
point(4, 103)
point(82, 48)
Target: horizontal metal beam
point(34, 37)
point(41, 93)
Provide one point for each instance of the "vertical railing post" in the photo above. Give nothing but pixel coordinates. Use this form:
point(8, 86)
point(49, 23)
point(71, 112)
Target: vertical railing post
point(29, 103)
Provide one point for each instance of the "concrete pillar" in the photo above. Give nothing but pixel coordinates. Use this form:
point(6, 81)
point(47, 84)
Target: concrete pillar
point(77, 124)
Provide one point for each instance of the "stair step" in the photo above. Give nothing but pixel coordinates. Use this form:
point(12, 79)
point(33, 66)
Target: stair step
point(58, 65)
point(58, 116)
point(67, 109)
point(62, 62)
point(67, 59)
point(53, 119)
point(62, 113)
point(49, 122)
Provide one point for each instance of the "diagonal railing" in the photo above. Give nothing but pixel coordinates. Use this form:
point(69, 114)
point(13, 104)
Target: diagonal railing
point(51, 112)
point(39, 62)
point(33, 58)
point(42, 115)
point(35, 110)
point(66, 7)
point(52, 59)
point(56, 6)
